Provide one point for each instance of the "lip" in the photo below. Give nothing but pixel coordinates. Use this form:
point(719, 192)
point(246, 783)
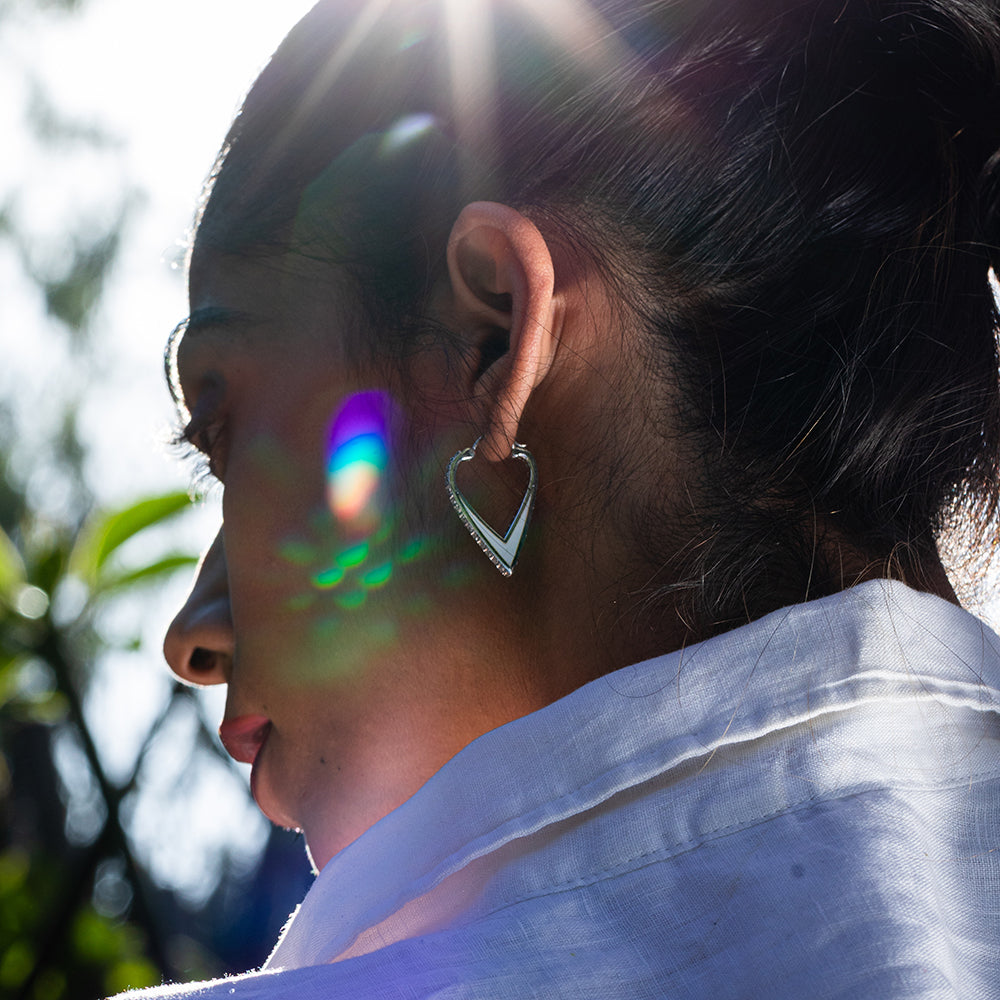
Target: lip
point(244, 736)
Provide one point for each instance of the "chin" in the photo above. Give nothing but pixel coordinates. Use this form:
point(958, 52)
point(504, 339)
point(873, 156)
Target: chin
point(268, 803)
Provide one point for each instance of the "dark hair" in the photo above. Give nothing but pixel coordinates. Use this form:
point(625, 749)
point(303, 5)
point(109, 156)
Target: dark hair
point(800, 197)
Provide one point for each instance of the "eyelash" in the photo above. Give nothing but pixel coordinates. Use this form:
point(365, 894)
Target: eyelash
point(195, 444)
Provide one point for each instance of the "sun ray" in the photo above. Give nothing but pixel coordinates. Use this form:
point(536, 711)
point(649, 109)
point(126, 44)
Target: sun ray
point(472, 72)
point(365, 22)
point(580, 30)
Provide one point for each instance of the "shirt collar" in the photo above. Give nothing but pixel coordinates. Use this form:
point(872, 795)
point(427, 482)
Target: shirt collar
point(634, 724)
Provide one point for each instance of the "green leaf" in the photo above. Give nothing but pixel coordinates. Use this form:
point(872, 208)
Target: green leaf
point(16, 965)
point(132, 974)
point(12, 571)
point(94, 938)
point(14, 864)
point(145, 574)
point(106, 532)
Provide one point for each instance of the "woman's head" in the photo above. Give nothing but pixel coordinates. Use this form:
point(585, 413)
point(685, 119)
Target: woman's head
point(361, 646)
point(721, 266)
point(785, 196)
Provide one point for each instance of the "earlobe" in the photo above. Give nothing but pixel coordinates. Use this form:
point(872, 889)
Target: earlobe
point(503, 284)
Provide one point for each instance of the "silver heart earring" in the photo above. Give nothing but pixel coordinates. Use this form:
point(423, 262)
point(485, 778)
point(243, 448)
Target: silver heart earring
point(502, 550)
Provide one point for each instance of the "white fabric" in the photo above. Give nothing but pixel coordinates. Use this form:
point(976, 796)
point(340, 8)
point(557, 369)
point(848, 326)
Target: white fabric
point(806, 807)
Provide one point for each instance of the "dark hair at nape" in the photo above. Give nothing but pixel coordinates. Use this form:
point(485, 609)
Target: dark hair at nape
point(800, 199)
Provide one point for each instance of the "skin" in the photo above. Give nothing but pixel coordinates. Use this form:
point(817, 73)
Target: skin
point(366, 703)
point(367, 692)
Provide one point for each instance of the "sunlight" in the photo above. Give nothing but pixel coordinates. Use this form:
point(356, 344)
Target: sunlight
point(357, 456)
point(339, 59)
point(473, 82)
point(572, 24)
point(579, 29)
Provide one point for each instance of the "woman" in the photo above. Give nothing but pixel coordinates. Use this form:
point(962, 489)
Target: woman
point(693, 296)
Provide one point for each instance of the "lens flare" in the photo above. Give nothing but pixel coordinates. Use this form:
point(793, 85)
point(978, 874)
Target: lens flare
point(377, 577)
point(404, 131)
point(327, 579)
point(357, 457)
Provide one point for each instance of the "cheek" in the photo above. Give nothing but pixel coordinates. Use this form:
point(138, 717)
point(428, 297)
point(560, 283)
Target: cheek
point(274, 494)
point(316, 544)
point(333, 529)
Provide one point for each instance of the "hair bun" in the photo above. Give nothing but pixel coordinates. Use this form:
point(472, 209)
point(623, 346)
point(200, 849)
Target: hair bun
point(952, 48)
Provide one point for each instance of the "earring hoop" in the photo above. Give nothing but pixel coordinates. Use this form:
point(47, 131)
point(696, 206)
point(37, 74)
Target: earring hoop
point(502, 550)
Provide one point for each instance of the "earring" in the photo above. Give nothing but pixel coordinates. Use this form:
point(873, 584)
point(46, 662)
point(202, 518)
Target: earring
point(502, 550)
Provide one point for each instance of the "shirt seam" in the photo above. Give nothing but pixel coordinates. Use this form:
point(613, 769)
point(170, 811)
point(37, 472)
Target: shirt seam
point(685, 846)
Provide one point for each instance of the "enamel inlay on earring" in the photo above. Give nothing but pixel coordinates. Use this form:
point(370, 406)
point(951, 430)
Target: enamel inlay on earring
point(502, 550)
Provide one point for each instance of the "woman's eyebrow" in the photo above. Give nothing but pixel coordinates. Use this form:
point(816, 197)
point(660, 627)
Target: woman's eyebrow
point(198, 322)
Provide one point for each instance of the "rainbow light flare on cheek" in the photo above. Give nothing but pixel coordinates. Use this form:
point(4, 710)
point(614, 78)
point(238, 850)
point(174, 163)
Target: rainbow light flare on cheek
point(358, 555)
point(357, 458)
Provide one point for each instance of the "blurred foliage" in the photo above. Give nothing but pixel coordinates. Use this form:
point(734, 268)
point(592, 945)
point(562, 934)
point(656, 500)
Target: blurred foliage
point(97, 955)
point(76, 918)
point(55, 941)
point(81, 915)
point(71, 295)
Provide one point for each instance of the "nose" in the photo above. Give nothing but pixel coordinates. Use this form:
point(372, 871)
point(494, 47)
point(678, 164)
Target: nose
point(199, 644)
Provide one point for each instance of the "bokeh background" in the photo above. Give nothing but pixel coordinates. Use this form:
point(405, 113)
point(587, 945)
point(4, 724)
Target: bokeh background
point(130, 850)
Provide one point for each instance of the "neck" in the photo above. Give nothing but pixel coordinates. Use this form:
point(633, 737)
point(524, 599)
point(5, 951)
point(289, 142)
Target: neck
point(589, 616)
point(926, 573)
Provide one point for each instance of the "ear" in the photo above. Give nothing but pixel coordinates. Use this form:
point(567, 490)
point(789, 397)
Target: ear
point(503, 282)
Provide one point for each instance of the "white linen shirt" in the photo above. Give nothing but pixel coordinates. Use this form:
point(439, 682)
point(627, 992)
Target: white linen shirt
point(805, 807)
